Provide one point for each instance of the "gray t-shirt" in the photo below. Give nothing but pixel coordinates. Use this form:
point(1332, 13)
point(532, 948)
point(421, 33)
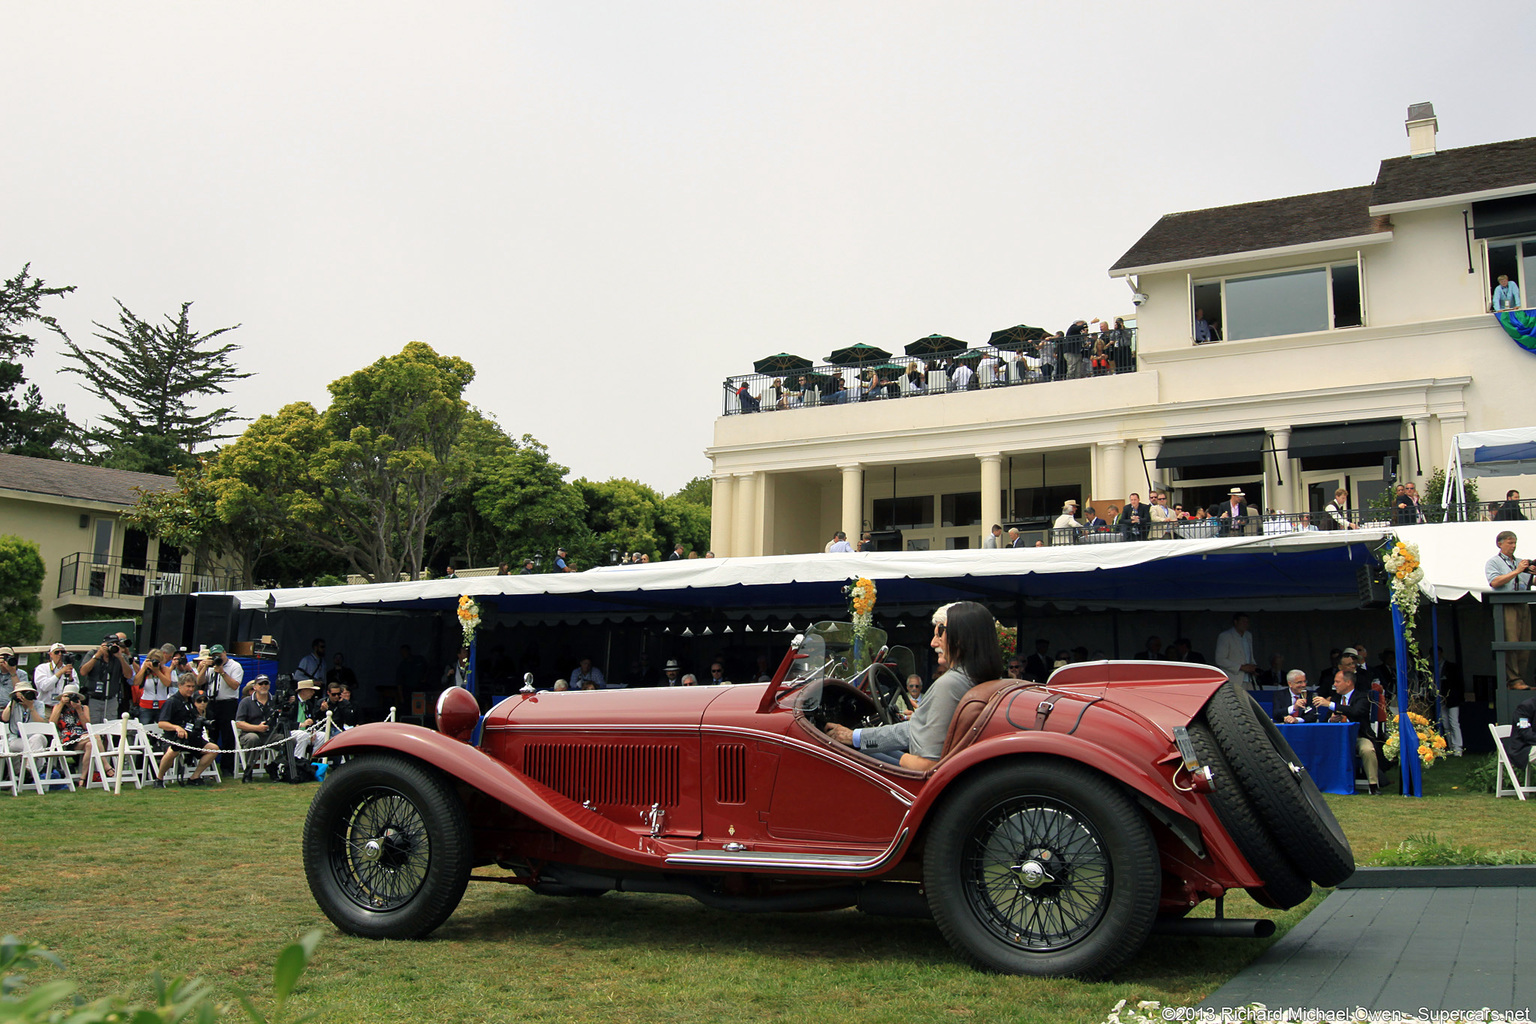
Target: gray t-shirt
point(922, 734)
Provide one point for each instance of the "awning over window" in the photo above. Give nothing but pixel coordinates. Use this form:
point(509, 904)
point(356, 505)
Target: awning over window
point(1341, 444)
point(1495, 218)
point(1238, 448)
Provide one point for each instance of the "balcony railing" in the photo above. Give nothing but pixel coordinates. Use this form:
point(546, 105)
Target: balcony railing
point(1089, 355)
point(1273, 524)
point(85, 575)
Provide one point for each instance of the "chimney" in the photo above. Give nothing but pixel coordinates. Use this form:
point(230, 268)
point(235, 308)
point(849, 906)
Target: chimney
point(1422, 127)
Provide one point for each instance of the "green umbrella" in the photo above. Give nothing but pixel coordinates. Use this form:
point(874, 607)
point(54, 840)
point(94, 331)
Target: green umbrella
point(781, 363)
point(1017, 337)
point(858, 355)
point(935, 345)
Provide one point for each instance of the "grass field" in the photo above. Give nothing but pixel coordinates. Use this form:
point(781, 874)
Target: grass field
point(209, 883)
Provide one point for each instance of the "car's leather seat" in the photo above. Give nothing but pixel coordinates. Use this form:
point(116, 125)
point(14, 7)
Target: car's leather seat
point(975, 710)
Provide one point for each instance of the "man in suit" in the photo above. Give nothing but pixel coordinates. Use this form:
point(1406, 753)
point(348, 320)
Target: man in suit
point(677, 553)
point(1349, 706)
point(1134, 518)
point(995, 539)
point(1091, 519)
point(1298, 708)
point(1234, 514)
point(1039, 666)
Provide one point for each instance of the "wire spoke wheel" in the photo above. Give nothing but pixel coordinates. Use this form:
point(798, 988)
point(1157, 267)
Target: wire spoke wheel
point(380, 851)
point(387, 847)
point(1040, 878)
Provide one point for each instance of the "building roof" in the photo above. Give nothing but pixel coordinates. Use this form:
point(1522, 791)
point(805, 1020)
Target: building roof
point(71, 480)
point(1252, 227)
point(1467, 171)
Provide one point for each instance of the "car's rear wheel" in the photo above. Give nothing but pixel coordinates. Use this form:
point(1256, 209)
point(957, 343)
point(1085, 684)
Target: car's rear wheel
point(387, 847)
point(1283, 795)
point(1044, 869)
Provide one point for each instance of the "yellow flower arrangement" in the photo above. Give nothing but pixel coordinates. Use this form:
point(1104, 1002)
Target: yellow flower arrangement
point(1431, 743)
point(469, 618)
point(1401, 560)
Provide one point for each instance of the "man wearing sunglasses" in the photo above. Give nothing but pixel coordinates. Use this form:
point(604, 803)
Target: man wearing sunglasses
point(184, 720)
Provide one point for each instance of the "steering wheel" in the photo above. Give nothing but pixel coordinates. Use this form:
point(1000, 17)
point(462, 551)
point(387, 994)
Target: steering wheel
point(884, 687)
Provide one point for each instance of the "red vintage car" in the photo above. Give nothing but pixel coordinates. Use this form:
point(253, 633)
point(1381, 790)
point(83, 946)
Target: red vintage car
point(1063, 824)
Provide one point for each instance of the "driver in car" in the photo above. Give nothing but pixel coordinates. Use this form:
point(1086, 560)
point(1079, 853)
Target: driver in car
point(965, 640)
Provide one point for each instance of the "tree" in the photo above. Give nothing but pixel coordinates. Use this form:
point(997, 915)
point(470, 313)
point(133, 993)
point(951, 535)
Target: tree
point(151, 376)
point(27, 425)
point(21, 584)
point(526, 498)
point(700, 491)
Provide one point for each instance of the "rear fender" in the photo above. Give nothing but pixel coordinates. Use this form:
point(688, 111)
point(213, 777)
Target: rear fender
point(489, 776)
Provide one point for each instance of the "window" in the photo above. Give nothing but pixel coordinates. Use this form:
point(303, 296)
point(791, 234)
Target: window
point(1515, 260)
point(915, 513)
point(963, 509)
point(1286, 302)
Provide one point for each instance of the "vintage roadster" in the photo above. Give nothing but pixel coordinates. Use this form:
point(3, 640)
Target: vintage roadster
point(1063, 824)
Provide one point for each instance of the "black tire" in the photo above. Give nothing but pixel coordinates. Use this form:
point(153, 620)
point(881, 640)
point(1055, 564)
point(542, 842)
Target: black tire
point(1042, 868)
point(387, 847)
point(1283, 794)
point(1284, 886)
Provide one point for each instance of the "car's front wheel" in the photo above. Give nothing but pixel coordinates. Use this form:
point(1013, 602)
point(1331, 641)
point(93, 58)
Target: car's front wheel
point(387, 847)
point(1043, 868)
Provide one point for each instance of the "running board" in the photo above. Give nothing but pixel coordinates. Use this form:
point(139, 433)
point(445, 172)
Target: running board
point(755, 862)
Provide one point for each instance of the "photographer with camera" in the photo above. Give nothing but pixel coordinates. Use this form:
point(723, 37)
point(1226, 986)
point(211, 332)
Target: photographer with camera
point(155, 676)
point(306, 717)
point(184, 721)
point(11, 676)
point(21, 705)
point(71, 716)
point(254, 719)
point(105, 677)
point(46, 677)
point(222, 676)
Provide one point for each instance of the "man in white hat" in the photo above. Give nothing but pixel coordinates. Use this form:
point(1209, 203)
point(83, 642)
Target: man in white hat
point(47, 676)
point(1234, 517)
point(306, 716)
point(1068, 518)
point(671, 673)
point(21, 706)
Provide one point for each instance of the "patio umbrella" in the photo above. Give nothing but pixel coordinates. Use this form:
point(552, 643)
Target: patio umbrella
point(967, 356)
point(935, 345)
point(781, 363)
point(857, 355)
point(1017, 337)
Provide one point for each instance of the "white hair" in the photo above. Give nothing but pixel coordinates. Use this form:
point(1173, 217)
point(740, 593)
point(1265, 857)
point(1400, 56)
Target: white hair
point(1293, 675)
point(941, 617)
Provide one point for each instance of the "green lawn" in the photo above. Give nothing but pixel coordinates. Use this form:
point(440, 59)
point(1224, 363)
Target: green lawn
point(208, 883)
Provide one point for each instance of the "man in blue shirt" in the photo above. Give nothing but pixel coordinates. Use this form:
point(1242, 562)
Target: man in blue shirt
point(1507, 574)
point(1507, 294)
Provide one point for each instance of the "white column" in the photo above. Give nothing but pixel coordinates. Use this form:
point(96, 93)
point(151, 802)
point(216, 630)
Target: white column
point(853, 500)
point(991, 491)
point(1279, 491)
point(721, 513)
point(742, 541)
point(1110, 484)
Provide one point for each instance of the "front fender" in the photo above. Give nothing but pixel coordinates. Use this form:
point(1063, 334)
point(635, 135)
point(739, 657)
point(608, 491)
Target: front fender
point(496, 780)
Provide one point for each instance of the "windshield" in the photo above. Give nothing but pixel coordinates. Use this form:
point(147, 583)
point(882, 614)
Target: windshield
point(833, 650)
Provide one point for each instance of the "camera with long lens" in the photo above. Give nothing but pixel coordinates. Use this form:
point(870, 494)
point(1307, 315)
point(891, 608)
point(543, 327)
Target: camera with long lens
point(114, 645)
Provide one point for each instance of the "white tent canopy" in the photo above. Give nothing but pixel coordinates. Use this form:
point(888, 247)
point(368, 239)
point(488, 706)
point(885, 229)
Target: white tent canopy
point(1509, 452)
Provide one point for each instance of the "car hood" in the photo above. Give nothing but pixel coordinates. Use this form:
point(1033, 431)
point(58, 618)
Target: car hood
point(671, 705)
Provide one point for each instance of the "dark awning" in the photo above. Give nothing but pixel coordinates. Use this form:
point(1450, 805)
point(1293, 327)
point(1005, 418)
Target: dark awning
point(1367, 442)
point(1242, 447)
point(1495, 218)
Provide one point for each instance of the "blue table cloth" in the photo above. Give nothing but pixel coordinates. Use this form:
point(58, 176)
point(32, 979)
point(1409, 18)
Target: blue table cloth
point(1327, 751)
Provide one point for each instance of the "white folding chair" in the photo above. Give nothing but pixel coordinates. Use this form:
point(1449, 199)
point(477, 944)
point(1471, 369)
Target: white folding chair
point(106, 737)
point(262, 754)
point(50, 757)
point(1500, 733)
point(146, 758)
point(13, 765)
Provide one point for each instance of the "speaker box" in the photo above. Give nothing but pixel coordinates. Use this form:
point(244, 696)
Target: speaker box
point(167, 620)
point(213, 620)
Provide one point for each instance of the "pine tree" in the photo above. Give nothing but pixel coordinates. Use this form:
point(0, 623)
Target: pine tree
point(151, 376)
point(27, 425)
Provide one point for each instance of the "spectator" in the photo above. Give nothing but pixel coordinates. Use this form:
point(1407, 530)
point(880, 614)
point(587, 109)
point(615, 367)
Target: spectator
point(72, 717)
point(106, 676)
point(311, 664)
point(963, 378)
point(689, 679)
point(1506, 295)
point(21, 706)
point(1091, 520)
point(1135, 518)
point(1014, 667)
point(46, 676)
point(1453, 693)
point(503, 569)
point(11, 676)
point(1507, 574)
point(1347, 706)
point(995, 539)
point(251, 725)
point(183, 721)
point(1299, 707)
point(1234, 652)
point(671, 673)
point(561, 564)
point(306, 719)
point(586, 672)
point(914, 691)
point(1160, 516)
point(222, 677)
point(1153, 650)
point(1234, 514)
point(156, 683)
point(764, 673)
point(1274, 677)
point(1325, 677)
point(840, 544)
point(1204, 332)
point(1183, 650)
point(1014, 539)
point(1038, 666)
point(340, 672)
point(528, 567)
point(717, 674)
point(1509, 511)
point(339, 707)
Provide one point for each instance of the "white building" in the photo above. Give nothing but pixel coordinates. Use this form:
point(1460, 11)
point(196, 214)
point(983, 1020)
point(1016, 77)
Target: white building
point(1353, 325)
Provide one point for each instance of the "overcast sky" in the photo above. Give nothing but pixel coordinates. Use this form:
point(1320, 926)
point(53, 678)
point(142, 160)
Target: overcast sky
point(608, 208)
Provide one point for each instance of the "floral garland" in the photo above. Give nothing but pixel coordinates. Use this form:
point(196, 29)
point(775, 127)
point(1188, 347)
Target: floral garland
point(1401, 560)
point(1431, 743)
point(1007, 640)
point(861, 609)
point(469, 618)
